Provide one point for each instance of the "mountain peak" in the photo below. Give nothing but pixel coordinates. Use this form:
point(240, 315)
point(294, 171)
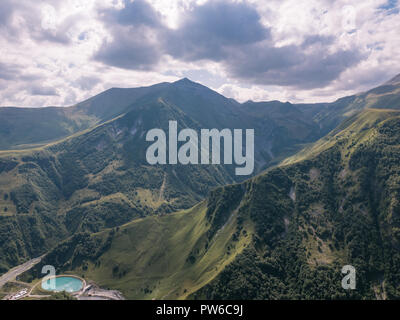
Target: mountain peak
point(395, 80)
point(185, 81)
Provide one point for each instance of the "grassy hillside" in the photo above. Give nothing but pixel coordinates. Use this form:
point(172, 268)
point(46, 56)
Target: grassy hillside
point(167, 257)
point(344, 210)
point(97, 177)
point(94, 180)
point(283, 235)
point(280, 128)
point(22, 128)
point(330, 115)
point(360, 128)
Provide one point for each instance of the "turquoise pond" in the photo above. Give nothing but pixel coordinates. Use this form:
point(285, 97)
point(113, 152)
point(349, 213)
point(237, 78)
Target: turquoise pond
point(68, 284)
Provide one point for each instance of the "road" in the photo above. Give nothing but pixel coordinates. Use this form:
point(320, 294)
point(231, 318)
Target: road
point(15, 272)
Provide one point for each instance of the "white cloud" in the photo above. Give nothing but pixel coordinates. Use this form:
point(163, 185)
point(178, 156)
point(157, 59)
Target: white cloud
point(51, 44)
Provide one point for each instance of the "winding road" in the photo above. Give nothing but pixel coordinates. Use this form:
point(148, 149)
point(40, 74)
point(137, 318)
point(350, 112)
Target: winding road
point(15, 272)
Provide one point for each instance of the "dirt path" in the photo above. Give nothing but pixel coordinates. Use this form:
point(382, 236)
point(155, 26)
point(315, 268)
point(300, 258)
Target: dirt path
point(228, 222)
point(15, 272)
point(161, 196)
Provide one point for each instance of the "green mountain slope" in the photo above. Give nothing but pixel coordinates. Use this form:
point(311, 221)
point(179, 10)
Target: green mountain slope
point(344, 210)
point(334, 203)
point(285, 234)
point(165, 257)
point(356, 129)
point(95, 180)
point(280, 129)
point(329, 116)
point(98, 177)
point(21, 128)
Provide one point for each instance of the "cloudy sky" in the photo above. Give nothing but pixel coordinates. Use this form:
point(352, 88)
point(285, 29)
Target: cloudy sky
point(59, 52)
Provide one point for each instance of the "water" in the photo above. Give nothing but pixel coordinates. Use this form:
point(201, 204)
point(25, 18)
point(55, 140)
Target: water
point(68, 284)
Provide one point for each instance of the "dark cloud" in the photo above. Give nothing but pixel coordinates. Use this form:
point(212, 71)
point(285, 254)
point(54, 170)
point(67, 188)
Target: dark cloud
point(87, 83)
point(13, 72)
point(230, 33)
point(59, 35)
point(8, 72)
point(31, 14)
point(6, 11)
point(291, 65)
point(211, 30)
point(135, 13)
point(208, 31)
point(129, 50)
point(317, 40)
point(43, 91)
point(135, 30)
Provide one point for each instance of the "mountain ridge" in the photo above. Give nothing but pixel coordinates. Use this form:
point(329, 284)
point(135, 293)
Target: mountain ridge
point(97, 180)
point(284, 234)
point(43, 125)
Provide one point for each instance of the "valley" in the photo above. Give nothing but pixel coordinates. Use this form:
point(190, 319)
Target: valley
point(324, 194)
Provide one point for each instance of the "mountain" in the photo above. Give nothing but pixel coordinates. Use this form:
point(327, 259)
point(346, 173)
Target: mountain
point(21, 128)
point(28, 126)
point(285, 234)
point(93, 180)
point(281, 128)
point(276, 129)
point(94, 204)
point(152, 257)
point(338, 206)
point(96, 176)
